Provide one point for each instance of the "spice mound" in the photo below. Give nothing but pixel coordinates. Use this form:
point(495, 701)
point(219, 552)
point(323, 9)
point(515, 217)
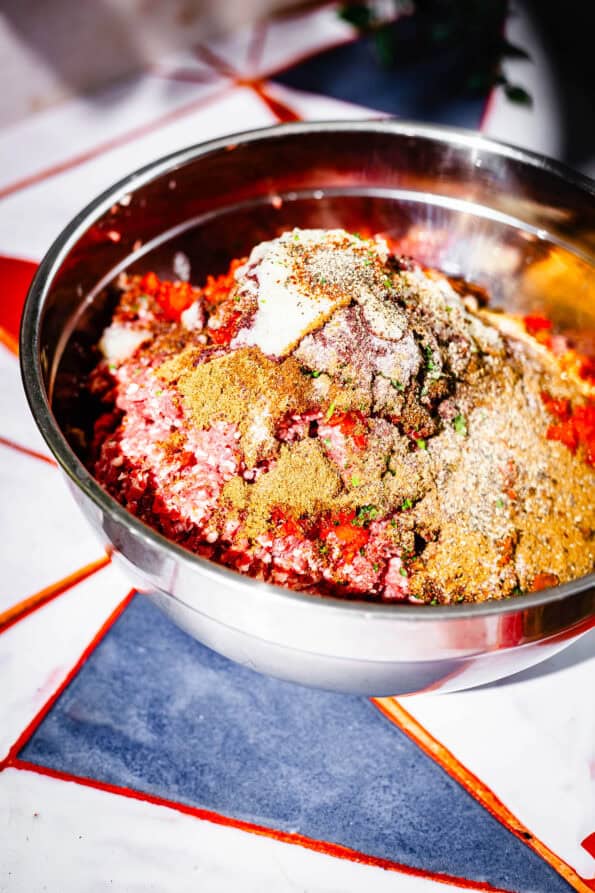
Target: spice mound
point(333, 417)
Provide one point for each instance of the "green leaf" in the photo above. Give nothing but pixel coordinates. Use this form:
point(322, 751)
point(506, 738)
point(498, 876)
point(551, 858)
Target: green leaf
point(512, 51)
point(518, 95)
point(357, 14)
point(459, 423)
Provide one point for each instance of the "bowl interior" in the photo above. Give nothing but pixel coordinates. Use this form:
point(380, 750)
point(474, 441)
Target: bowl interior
point(509, 222)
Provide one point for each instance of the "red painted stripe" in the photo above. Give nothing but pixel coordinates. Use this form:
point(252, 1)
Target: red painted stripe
point(280, 110)
point(30, 604)
point(487, 109)
point(319, 846)
point(15, 278)
point(208, 57)
point(256, 47)
point(29, 730)
point(4, 441)
point(588, 844)
point(115, 143)
point(396, 713)
point(184, 75)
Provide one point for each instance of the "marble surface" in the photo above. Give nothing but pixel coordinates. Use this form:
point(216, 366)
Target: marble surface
point(131, 758)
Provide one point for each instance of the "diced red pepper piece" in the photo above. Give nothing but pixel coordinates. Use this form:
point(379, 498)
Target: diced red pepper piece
point(351, 537)
point(351, 424)
point(544, 581)
point(535, 324)
point(225, 333)
point(172, 297)
point(558, 407)
point(564, 433)
point(587, 369)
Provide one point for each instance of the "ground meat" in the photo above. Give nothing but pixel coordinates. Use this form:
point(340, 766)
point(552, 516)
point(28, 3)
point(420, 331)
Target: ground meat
point(334, 418)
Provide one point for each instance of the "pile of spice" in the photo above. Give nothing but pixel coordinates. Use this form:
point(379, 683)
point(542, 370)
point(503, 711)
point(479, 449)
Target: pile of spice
point(338, 419)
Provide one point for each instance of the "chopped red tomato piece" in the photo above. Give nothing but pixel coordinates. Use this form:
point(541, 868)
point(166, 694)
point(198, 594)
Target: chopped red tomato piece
point(172, 297)
point(351, 424)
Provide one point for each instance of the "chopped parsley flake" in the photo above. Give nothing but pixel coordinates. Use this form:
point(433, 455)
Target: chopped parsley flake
point(500, 503)
point(355, 481)
point(403, 572)
point(376, 566)
point(330, 411)
point(406, 504)
point(388, 283)
point(421, 444)
point(459, 423)
point(397, 384)
point(364, 514)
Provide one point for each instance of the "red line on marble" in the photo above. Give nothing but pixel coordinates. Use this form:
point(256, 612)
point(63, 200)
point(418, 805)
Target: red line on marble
point(308, 54)
point(208, 57)
point(183, 75)
point(9, 341)
point(487, 109)
point(588, 844)
point(280, 110)
point(31, 727)
point(256, 45)
point(12, 445)
point(30, 604)
point(319, 846)
point(115, 143)
point(434, 748)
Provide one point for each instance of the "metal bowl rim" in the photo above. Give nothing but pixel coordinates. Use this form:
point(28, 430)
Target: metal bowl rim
point(38, 402)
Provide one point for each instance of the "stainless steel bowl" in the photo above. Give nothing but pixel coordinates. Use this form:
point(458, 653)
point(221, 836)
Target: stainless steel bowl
point(512, 221)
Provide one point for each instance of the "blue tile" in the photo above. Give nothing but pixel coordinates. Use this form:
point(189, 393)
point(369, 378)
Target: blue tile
point(421, 91)
point(155, 711)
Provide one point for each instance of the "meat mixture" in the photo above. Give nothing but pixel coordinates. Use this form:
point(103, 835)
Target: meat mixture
point(335, 418)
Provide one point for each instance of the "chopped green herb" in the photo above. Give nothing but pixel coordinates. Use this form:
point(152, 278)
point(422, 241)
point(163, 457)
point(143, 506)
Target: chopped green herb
point(357, 236)
point(237, 299)
point(158, 393)
point(364, 514)
point(330, 411)
point(376, 566)
point(517, 591)
point(393, 523)
point(362, 551)
point(421, 444)
point(323, 548)
point(388, 283)
point(448, 308)
point(397, 384)
point(459, 423)
point(500, 503)
point(403, 572)
point(322, 280)
point(327, 440)
point(434, 601)
point(406, 504)
point(296, 237)
point(112, 367)
point(355, 481)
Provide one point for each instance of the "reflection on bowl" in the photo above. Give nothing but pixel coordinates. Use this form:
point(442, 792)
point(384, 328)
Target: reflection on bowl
point(512, 222)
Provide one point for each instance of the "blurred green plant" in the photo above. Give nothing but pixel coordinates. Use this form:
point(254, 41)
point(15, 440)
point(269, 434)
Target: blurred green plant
point(404, 31)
